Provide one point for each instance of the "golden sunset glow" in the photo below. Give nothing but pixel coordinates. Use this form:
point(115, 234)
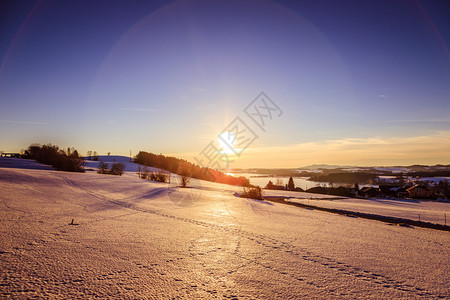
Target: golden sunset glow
point(377, 151)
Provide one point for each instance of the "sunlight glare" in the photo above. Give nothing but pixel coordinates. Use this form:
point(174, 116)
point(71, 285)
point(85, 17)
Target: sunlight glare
point(227, 141)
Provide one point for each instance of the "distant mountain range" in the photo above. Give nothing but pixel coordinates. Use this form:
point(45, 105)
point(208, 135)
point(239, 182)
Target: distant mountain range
point(330, 167)
point(422, 170)
point(324, 166)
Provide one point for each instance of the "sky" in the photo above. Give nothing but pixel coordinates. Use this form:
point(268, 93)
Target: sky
point(349, 82)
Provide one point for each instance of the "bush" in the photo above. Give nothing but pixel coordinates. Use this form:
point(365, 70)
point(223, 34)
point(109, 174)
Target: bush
point(117, 169)
point(162, 177)
point(185, 173)
point(254, 192)
point(102, 168)
point(145, 173)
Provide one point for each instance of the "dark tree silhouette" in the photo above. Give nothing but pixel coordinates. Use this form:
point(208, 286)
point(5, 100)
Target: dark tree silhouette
point(171, 164)
point(254, 192)
point(291, 185)
point(270, 185)
point(117, 169)
point(63, 160)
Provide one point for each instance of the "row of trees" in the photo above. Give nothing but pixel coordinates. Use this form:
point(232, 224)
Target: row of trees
point(335, 191)
point(60, 159)
point(116, 168)
point(92, 155)
point(187, 170)
point(290, 186)
point(145, 173)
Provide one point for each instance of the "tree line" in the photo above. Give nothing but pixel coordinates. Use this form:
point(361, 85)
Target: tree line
point(290, 186)
point(172, 164)
point(61, 159)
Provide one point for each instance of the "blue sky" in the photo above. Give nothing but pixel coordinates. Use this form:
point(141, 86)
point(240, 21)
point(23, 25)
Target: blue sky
point(359, 82)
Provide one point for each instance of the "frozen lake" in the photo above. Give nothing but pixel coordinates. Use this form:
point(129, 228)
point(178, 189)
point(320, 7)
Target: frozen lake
point(262, 180)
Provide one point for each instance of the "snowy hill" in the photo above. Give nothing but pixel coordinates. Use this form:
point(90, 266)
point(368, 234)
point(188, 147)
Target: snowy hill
point(324, 166)
point(110, 159)
point(132, 238)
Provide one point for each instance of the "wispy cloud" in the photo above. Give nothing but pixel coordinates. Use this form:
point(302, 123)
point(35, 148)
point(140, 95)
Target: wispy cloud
point(426, 149)
point(138, 109)
point(381, 96)
point(418, 121)
point(24, 122)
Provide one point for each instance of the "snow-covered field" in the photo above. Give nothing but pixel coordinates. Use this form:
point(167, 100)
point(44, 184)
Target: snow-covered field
point(427, 211)
point(139, 239)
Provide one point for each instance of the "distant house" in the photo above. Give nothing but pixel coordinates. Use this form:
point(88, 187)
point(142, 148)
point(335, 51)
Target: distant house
point(402, 192)
point(15, 155)
point(388, 190)
point(395, 191)
point(369, 192)
point(418, 191)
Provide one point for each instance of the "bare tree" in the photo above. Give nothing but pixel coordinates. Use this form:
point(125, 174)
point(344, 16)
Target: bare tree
point(279, 181)
point(102, 168)
point(139, 171)
point(161, 176)
point(185, 173)
point(145, 173)
point(117, 168)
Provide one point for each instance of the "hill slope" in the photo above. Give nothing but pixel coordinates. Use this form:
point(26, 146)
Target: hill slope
point(135, 239)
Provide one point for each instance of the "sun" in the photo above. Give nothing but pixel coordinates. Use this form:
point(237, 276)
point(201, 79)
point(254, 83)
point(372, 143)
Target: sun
point(227, 140)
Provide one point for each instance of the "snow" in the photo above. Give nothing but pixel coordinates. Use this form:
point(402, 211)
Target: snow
point(392, 169)
point(434, 180)
point(111, 159)
point(140, 239)
point(427, 211)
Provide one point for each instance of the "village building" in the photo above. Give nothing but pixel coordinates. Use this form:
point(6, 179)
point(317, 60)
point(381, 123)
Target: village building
point(418, 191)
point(7, 154)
